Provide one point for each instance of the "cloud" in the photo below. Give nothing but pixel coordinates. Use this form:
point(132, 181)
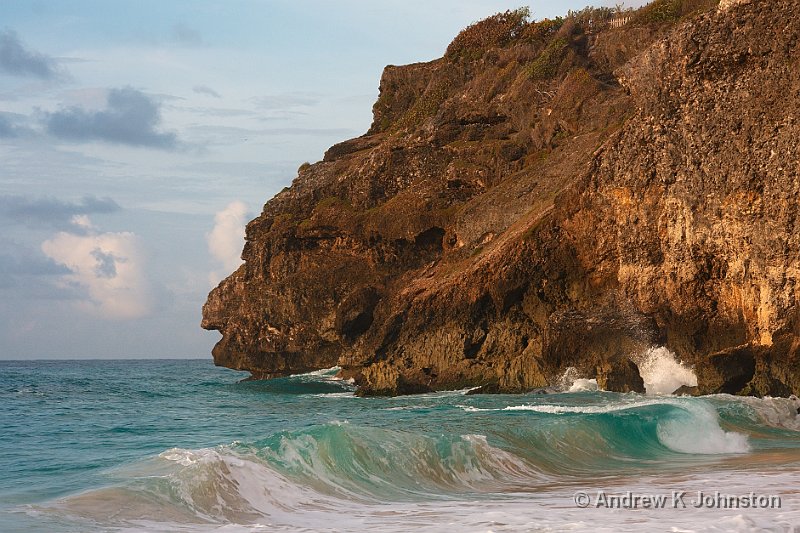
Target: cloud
point(205, 89)
point(131, 117)
point(226, 239)
point(186, 35)
point(19, 260)
point(7, 129)
point(28, 275)
point(108, 268)
point(87, 97)
point(106, 264)
point(18, 61)
point(13, 125)
point(52, 213)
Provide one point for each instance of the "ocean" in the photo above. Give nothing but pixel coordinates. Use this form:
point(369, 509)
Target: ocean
point(179, 445)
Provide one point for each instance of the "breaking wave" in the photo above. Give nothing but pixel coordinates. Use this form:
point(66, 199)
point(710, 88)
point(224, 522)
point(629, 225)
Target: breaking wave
point(316, 471)
point(398, 469)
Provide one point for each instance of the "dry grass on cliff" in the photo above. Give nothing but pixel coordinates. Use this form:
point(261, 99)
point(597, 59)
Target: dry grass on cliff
point(665, 11)
point(546, 65)
point(497, 30)
point(501, 29)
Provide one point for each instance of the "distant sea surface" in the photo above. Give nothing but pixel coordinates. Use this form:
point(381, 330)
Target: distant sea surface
point(177, 445)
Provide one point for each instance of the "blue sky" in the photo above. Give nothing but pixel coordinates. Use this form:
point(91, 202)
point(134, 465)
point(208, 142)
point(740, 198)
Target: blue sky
point(138, 137)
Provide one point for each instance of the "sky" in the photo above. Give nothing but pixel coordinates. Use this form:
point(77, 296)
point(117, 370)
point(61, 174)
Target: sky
point(138, 137)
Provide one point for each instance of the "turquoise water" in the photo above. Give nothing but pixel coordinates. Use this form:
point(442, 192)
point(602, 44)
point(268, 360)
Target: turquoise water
point(184, 446)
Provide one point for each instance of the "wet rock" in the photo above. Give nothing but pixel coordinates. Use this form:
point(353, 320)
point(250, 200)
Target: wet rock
point(620, 376)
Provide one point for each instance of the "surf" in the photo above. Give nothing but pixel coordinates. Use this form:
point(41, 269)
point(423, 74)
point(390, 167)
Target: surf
point(303, 453)
point(539, 445)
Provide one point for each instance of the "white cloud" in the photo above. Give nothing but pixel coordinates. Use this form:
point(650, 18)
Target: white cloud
point(83, 222)
point(226, 240)
point(108, 267)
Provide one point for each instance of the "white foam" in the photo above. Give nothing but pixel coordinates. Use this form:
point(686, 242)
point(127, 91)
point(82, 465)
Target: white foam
point(219, 485)
point(471, 409)
point(568, 377)
point(571, 381)
point(404, 408)
point(202, 486)
point(322, 372)
point(662, 373)
point(331, 395)
point(547, 509)
point(561, 409)
point(582, 385)
point(700, 433)
point(583, 409)
point(190, 457)
point(775, 412)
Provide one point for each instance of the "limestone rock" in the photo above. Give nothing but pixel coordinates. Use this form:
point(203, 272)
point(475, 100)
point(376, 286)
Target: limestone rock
point(566, 196)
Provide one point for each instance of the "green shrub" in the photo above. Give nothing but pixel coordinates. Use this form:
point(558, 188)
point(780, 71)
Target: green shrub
point(690, 6)
point(578, 86)
point(666, 11)
point(659, 11)
point(545, 66)
point(333, 202)
point(425, 107)
point(305, 166)
point(281, 221)
point(383, 109)
point(541, 31)
point(591, 16)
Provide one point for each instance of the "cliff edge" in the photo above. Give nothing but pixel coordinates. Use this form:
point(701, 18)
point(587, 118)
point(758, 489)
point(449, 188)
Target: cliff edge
point(565, 193)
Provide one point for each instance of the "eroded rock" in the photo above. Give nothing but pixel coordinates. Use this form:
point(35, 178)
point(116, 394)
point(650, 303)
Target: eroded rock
point(563, 198)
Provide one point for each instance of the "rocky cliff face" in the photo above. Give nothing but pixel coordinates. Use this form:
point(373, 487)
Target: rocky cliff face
point(549, 195)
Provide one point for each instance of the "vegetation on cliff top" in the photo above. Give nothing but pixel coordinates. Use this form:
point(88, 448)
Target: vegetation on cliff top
point(497, 30)
point(554, 43)
point(502, 29)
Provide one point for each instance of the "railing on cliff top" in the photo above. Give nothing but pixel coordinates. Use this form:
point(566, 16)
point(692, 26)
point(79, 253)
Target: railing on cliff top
point(599, 24)
point(618, 22)
point(598, 19)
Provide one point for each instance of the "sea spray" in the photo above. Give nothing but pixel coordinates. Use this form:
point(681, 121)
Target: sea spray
point(571, 381)
point(662, 373)
point(583, 385)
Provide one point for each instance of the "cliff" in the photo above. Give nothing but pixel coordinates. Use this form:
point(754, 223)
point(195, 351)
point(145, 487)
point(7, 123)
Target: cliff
point(547, 195)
